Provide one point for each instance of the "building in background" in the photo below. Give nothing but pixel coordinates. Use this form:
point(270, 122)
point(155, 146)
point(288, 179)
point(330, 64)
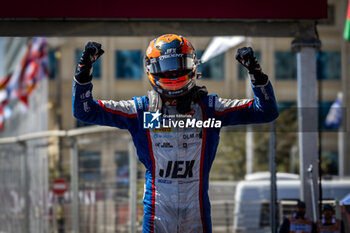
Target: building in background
point(104, 157)
point(119, 74)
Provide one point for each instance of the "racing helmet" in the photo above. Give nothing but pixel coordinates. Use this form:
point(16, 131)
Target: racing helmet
point(171, 65)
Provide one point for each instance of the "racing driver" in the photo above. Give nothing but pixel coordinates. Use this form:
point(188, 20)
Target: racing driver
point(177, 157)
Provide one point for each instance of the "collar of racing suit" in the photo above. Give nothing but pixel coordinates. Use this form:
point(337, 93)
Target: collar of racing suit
point(183, 103)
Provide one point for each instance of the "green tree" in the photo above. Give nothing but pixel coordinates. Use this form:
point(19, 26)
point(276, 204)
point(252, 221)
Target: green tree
point(230, 162)
point(230, 157)
point(286, 138)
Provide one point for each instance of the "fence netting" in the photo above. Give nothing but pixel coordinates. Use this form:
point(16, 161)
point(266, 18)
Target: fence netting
point(28, 205)
point(24, 187)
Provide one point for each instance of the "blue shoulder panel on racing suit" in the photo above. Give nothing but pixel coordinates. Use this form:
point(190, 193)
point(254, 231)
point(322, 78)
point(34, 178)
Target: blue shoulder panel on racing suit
point(177, 161)
point(118, 114)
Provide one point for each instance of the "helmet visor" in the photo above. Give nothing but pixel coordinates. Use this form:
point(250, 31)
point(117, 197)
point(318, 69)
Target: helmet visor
point(172, 87)
point(171, 62)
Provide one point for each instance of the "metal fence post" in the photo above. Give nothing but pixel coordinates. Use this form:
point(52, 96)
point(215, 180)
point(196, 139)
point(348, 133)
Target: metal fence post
point(26, 187)
point(273, 188)
point(312, 188)
point(74, 185)
point(227, 213)
point(132, 187)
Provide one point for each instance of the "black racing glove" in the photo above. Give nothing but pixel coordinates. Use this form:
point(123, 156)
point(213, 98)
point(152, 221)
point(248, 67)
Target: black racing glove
point(90, 54)
point(246, 57)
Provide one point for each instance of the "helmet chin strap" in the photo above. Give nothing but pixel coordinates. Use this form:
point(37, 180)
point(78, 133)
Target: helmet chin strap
point(183, 103)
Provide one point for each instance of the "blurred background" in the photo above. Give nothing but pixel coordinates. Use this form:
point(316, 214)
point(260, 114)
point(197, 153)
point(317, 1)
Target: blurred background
point(58, 174)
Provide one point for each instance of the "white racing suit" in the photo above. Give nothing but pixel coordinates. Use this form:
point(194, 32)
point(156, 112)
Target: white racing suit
point(177, 159)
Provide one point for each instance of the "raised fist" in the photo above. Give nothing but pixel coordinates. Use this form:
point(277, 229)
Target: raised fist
point(91, 53)
point(246, 57)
